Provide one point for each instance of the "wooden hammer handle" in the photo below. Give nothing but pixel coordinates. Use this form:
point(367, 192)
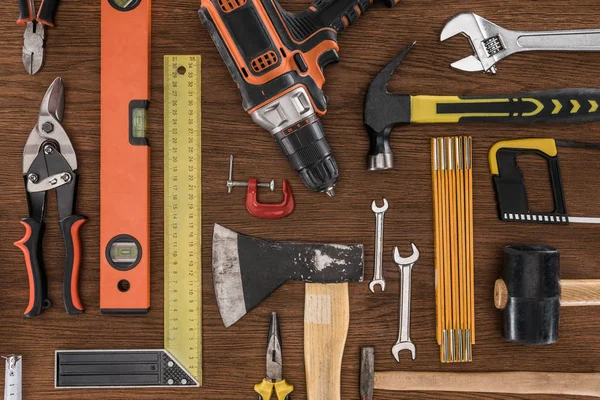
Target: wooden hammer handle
point(326, 321)
point(573, 384)
point(580, 292)
point(574, 293)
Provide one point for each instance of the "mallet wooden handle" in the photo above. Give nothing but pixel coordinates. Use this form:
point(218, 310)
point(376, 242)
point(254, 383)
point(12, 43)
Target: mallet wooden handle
point(576, 292)
point(326, 321)
point(573, 384)
point(580, 292)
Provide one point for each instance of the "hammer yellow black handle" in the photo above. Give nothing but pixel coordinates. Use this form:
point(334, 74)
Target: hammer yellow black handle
point(568, 105)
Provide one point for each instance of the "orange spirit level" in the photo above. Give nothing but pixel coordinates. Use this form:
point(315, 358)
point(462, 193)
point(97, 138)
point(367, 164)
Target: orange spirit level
point(124, 158)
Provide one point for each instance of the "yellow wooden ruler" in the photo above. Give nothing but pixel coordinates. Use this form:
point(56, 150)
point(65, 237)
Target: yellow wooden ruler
point(183, 211)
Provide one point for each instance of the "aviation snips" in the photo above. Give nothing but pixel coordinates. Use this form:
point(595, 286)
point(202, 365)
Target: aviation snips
point(49, 163)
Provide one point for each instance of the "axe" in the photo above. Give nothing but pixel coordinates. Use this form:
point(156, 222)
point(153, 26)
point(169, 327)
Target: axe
point(246, 270)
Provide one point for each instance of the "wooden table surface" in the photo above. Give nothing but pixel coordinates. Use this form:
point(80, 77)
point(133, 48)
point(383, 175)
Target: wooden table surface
point(234, 358)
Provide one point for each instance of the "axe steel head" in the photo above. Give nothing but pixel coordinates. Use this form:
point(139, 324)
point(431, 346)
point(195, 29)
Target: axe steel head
point(246, 269)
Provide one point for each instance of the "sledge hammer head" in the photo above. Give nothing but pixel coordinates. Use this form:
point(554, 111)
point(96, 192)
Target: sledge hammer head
point(528, 293)
point(246, 269)
point(367, 372)
point(383, 111)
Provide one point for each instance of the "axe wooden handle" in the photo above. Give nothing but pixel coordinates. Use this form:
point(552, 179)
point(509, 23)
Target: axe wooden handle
point(326, 321)
point(573, 384)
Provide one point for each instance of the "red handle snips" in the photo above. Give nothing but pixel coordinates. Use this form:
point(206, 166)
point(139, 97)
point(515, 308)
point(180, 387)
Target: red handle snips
point(269, 210)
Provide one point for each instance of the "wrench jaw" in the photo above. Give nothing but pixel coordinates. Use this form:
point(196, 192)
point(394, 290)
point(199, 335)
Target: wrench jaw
point(398, 347)
point(376, 282)
point(402, 261)
point(382, 209)
point(486, 40)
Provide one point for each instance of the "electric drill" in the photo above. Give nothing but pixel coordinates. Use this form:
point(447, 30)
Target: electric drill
point(277, 60)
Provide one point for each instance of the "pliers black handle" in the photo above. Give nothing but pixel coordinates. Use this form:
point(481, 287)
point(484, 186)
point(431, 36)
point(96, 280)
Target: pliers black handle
point(31, 246)
point(45, 14)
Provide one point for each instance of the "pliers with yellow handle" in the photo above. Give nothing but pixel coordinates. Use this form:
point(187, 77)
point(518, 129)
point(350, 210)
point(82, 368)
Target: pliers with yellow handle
point(274, 380)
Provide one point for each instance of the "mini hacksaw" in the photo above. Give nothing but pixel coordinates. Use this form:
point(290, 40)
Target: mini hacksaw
point(509, 182)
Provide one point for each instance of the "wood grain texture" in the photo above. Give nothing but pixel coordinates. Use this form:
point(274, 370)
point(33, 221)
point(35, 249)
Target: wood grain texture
point(580, 292)
point(326, 321)
point(486, 382)
point(234, 358)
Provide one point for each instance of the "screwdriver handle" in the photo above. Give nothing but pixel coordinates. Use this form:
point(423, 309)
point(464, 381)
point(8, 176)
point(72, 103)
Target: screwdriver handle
point(26, 11)
point(31, 246)
point(47, 12)
point(70, 227)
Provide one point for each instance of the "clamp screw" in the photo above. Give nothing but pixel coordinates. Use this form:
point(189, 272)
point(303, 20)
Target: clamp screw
point(231, 183)
point(47, 127)
point(33, 178)
point(48, 149)
point(65, 177)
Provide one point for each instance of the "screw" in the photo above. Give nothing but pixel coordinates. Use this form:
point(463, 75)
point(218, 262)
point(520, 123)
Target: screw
point(33, 178)
point(231, 183)
point(48, 149)
point(65, 177)
point(47, 127)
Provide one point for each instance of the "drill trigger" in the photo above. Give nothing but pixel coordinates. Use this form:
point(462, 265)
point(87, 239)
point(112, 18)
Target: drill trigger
point(269, 210)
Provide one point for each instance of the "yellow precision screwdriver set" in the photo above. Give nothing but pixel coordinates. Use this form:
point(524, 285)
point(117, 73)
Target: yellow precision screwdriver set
point(182, 286)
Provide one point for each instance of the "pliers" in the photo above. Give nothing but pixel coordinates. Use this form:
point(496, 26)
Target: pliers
point(33, 46)
point(274, 380)
point(49, 162)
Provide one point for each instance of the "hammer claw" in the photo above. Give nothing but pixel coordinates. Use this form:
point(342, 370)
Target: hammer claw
point(383, 77)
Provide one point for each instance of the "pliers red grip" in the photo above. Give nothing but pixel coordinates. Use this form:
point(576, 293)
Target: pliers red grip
point(45, 14)
point(49, 163)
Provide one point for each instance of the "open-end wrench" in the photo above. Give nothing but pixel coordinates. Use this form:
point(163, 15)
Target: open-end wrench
point(378, 270)
point(405, 266)
point(491, 43)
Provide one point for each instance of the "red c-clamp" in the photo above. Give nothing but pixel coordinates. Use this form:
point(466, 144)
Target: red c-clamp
point(263, 210)
point(269, 210)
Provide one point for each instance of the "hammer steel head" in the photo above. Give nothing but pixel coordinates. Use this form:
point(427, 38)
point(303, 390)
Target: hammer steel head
point(246, 269)
point(486, 39)
point(383, 111)
point(367, 372)
point(531, 274)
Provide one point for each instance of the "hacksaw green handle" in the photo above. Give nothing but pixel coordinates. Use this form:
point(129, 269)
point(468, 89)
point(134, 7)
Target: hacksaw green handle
point(567, 105)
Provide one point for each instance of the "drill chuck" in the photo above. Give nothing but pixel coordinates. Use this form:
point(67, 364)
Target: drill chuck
point(292, 120)
point(310, 154)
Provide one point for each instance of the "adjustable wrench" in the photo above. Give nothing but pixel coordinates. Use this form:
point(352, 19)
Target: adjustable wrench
point(378, 270)
point(405, 266)
point(491, 43)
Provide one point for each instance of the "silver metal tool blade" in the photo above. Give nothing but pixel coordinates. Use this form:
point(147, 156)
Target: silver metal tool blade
point(33, 47)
